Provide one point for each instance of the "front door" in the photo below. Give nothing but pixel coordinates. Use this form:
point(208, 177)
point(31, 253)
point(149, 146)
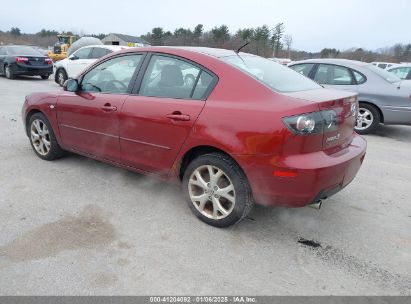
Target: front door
point(155, 123)
point(89, 119)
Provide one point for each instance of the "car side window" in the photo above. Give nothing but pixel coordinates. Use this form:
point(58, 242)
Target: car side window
point(333, 75)
point(111, 76)
point(360, 78)
point(169, 77)
point(382, 65)
point(97, 52)
point(202, 88)
point(303, 68)
point(401, 72)
point(2, 51)
point(83, 53)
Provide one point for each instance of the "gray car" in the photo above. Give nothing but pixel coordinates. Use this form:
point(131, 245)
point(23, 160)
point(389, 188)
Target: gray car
point(383, 97)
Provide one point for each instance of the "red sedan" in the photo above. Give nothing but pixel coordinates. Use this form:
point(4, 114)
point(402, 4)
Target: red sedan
point(234, 128)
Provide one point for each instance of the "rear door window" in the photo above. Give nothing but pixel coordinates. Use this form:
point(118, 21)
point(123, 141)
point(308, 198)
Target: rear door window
point(97, 53)
point(169, 77)
point(304, 68)
point(360, 78)
point(401, 72)
point(333, 75)
point(84, 53)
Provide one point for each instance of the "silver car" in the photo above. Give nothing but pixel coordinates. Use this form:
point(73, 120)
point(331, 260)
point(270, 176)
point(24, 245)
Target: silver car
point(383, 97)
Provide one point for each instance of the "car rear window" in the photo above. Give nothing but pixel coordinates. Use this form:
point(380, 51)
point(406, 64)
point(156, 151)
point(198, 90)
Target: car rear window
point(276, 76)
point(387, 76)
point(23, 50)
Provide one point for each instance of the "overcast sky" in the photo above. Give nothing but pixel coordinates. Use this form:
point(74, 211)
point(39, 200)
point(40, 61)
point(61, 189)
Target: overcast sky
point(314, 24)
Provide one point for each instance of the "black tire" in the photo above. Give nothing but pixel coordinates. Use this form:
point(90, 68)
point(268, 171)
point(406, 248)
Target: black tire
point(61, 77)
point(243, 195)
point(373, 114)
point(8, 72)
point(55, 150)
point(45, 77)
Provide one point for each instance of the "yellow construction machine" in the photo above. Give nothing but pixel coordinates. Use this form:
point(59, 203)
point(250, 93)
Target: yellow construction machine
point(59, 50)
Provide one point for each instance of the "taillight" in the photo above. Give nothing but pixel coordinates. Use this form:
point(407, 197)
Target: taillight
point(48, 61)
point(21, 59)
point(312, 123)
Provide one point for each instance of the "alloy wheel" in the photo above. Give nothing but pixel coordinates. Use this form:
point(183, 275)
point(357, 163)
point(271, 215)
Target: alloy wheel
point(61, 78)
point(364, 119)
point(40, 137)
point(211, 192)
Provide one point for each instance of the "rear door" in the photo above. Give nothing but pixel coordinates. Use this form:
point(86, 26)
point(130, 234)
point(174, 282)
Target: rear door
point(156, 120)
point(335, 76)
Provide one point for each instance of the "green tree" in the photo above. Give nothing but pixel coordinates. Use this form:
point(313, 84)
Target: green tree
point(276, 37)
point(157, 36)
point(15, 31)
point(261, 37)
point(329, 53)
point(220, 34)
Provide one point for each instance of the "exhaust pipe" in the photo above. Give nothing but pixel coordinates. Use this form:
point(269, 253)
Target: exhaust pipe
point(316, 205)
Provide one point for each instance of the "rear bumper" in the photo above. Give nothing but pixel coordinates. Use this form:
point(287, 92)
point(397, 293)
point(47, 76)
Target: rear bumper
point(306, 178)
point(20, 69)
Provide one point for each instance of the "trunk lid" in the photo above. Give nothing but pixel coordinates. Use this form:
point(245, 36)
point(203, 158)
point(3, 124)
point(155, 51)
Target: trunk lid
point(339, 111)
point(36, 61)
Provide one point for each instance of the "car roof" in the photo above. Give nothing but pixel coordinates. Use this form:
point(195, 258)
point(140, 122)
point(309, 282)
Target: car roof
point(345, 62)
point(214, 52)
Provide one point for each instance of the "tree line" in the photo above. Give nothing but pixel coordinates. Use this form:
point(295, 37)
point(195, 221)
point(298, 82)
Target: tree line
point(262, 40)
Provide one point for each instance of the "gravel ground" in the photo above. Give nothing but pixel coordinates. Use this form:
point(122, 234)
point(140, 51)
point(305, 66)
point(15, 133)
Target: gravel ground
point(80, 227)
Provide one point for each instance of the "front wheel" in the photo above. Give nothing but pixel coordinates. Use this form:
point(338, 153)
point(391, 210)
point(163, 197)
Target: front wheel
point(42, 138)
point(368, 119)
point(61, 77)
point(217, 190)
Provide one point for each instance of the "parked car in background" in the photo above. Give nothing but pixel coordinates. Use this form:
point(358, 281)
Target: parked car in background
point(403, 70)
point(283, 61)
point(383, 97)
point(24, 60)
point(246, 130)
point(383, 65)
point(81, 59)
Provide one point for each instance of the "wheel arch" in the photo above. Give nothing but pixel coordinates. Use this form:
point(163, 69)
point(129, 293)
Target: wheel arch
point(197, 151)
point(374, 105)
point(28, 116)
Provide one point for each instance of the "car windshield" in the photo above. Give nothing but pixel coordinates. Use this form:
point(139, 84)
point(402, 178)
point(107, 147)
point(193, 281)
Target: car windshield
point(23, 50)
point(387, 76)
point(276, 76)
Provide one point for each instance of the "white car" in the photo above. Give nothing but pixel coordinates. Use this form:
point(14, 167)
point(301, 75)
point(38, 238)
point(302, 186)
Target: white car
point(383, 65)
point(80, 60)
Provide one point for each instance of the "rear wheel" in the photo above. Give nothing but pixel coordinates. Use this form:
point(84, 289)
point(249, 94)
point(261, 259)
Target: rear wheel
point(45, 76)
point(8, 72)
point(61, 77)
point(42, 138)
point(217, 190)
point(368, 118)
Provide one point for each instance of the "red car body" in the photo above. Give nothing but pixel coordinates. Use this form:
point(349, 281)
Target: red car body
point(241, 117)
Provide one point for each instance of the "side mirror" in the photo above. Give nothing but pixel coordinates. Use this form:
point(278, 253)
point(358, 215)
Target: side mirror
point(70, 85)
point(74, 57)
